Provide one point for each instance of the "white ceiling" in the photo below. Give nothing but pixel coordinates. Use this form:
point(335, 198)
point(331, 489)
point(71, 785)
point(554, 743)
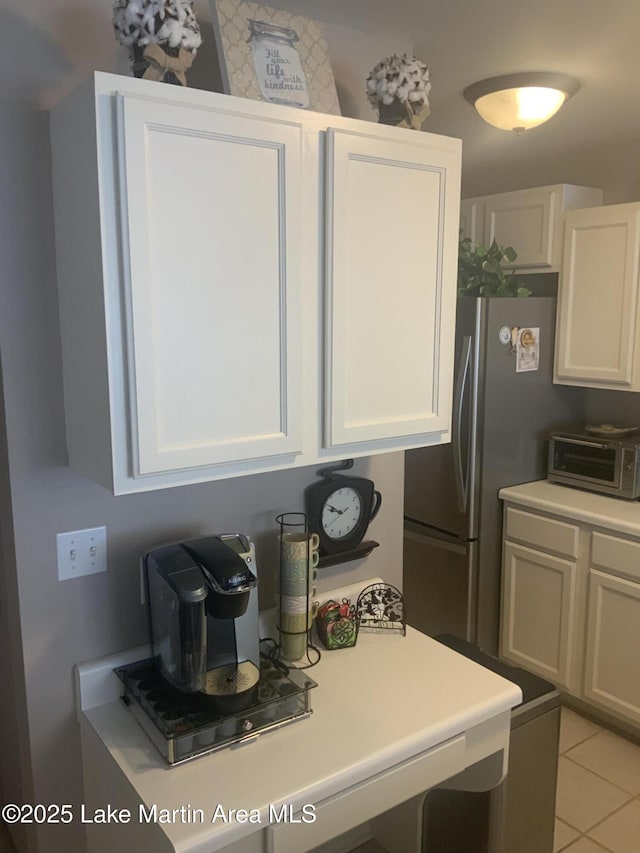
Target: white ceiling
point(464, 41)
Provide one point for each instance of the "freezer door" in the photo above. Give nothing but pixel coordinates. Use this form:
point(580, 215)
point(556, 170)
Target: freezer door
point(440, 582)
point(441, 483)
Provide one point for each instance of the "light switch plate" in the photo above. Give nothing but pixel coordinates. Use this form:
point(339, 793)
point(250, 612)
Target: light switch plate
point(81, 552)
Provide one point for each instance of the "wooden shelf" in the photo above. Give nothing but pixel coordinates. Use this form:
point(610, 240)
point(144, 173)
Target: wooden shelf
point(362, 550)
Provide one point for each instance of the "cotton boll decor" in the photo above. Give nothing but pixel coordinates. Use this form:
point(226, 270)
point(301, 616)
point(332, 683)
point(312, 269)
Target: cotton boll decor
point(398, 87)
point(162, 35)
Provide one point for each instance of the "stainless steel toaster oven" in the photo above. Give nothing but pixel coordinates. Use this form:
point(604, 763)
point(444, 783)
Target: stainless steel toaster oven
point(607, 465)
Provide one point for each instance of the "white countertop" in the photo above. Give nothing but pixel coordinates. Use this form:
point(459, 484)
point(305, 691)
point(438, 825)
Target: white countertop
point(386, 700)
point(598, 510)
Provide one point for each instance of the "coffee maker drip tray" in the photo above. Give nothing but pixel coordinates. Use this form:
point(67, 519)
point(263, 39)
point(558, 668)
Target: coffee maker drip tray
point(232, 679)
point(184, 726)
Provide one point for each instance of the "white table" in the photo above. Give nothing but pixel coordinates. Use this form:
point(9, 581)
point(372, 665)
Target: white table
point(393, 717)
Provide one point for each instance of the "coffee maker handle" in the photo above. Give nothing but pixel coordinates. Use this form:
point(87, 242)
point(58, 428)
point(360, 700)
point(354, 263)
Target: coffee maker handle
point(377, 503)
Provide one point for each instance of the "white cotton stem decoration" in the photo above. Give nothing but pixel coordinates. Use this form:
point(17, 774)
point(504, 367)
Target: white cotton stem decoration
point(162, 35)
point(398, 87)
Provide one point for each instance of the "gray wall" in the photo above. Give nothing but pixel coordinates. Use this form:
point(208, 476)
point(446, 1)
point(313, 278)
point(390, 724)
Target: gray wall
point(47, 626)
point(613, 167)
point(612, 407)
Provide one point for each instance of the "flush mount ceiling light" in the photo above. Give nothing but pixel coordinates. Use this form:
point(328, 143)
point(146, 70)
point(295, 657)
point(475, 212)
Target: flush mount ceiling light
point(521, 101)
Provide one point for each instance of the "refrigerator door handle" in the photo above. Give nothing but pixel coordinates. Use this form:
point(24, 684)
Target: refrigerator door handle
point(461, 383)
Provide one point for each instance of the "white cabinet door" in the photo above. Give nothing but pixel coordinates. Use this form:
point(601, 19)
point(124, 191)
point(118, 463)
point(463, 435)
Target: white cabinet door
point(597, 329)
point(472, 219)
point(613, 643)
point(391, 260)
point(538, 613)
point(529, 220)
point(524, 220)
point(212, 265)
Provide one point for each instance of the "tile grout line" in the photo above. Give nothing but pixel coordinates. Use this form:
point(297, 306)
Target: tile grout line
point(585, 834)
point(579, 838)
point(580, 742)
point(624, 805)
point(607, 816)
point(599, 776)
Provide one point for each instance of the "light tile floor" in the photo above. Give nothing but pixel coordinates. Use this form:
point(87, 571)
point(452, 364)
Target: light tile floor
point(598, 801)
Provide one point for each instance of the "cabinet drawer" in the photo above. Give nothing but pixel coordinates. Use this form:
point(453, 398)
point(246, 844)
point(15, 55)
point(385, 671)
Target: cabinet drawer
point(618, 555)
point(541, 532)
point(364, 801)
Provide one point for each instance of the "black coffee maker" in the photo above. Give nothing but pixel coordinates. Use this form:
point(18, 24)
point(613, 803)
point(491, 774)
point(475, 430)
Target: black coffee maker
point(203, 613)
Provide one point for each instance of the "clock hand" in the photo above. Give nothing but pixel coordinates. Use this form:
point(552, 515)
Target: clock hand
point(339, 511)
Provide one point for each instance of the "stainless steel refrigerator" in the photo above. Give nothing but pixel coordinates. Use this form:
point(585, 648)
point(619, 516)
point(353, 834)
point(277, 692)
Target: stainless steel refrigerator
point(453, 517)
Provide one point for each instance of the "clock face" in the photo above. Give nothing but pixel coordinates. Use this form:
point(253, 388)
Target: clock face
point(341, 512)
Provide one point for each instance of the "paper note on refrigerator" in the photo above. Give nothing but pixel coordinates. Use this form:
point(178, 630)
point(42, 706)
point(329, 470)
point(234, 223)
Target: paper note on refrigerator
point(528, 349)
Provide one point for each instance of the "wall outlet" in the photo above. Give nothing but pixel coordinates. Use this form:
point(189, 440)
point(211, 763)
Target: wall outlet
point(81, 552)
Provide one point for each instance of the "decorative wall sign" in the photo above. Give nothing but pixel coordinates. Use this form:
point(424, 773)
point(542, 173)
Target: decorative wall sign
point(270, 55)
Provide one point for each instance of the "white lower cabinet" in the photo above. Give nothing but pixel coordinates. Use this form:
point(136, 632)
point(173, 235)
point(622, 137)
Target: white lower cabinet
point(613, 626)
point(573, 619)
point(539, 612)
point(613, 645)
point(246, 287)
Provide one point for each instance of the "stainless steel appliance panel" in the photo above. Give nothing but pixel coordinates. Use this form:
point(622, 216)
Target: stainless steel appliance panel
point(501, 420)
point(440, 578)
point(530, 786)
point(441, 484)
point(519, 410)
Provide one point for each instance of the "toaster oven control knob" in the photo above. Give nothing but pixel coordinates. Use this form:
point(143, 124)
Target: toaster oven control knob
point(246, 726)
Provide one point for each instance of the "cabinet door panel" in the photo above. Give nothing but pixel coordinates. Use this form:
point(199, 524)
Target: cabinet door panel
point(472, 219)
point(538, 612)
point(212, 266)
point(392, 216)
point(613, 640)
point(524, 220)
point(598, 296)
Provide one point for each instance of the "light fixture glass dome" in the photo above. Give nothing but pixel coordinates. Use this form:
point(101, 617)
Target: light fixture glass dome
point(521, 101)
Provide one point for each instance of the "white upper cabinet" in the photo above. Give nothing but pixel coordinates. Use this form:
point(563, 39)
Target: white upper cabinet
point(246, 287)
point(597, 339)
point(211, 214)
point(530, 220)
point(390, 259)
point(472, 219)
